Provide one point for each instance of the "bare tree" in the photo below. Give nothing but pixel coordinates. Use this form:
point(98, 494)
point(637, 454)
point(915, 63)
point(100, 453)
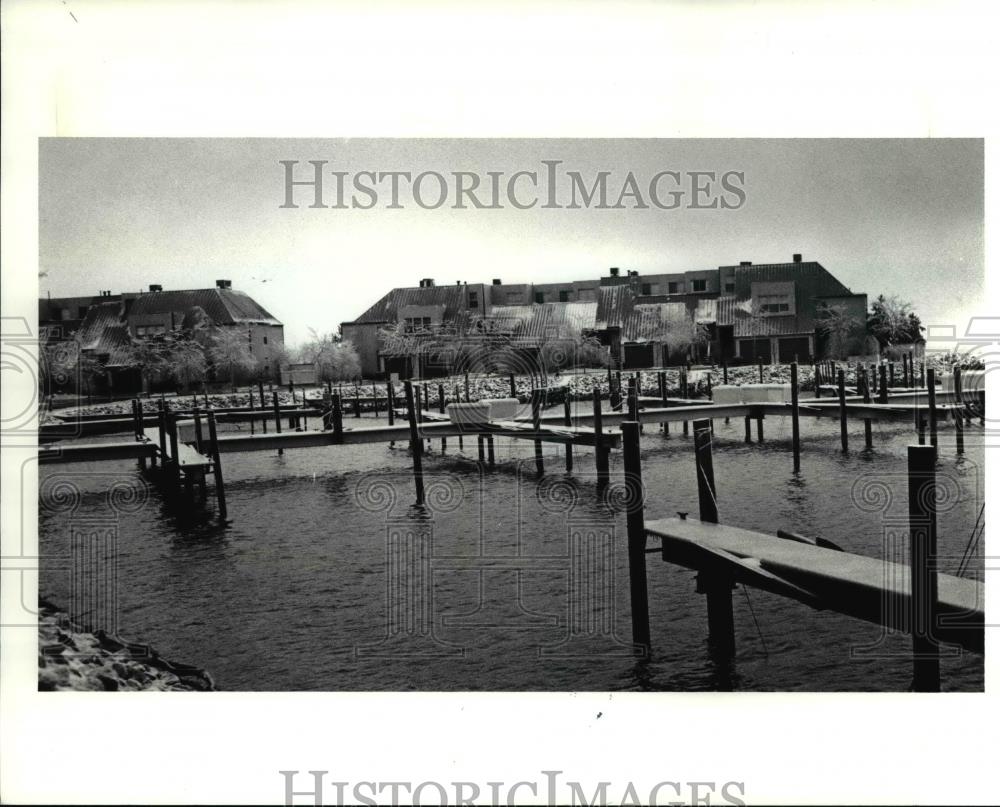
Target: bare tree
point(230, 353)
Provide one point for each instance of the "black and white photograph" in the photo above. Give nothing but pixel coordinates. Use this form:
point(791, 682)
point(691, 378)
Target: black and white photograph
point(510, 415)
point(439, 404)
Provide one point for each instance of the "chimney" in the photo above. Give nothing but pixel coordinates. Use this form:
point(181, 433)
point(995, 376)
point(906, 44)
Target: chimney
point(223, 284)
point(746, 263)
point(797, 257)
point(633, 273)
point(155, 287)
point(427, 283)
point(496, 281)
point(614, 271)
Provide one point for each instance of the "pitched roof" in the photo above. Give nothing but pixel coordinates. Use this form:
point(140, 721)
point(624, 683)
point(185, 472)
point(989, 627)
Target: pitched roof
point(103, 333)
point(546, 320)
point(387, 309)
point(223, 306)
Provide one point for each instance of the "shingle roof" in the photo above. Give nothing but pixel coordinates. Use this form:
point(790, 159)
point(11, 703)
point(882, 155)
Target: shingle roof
point(223, 306)
point(387, 309)
point(545, 320)
point(103, 333)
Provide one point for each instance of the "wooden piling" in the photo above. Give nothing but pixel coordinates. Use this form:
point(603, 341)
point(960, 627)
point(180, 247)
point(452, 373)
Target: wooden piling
point(444, 440)
point(337, 419)
point(725, 372)
point(466, 389)
point(490, 455)
point(661, 378)
point(374, 401)
point(883, 385)
point(536, 405)
point(513, 387)
point(923, 567)
point(684, 395)
point(932, 407)
point(760, 426)
point(482, 450)
point(390, 396)
point(357, 400)
point(958, 413)
point(746, 430)
point(263, 421)
point(568, 421)
point(600, 450)
point(458, 397)
point(892, 374)
point(636, 527)
point(277, 417)
point(717, 586)
point(760, 371)
point(198, 441)
point(865, 390)
point(416, 444)
point(162, 415)
point(175, 466)
point(220, 486)
point(817, 382)
point(796, 448)
point(253, 426)
point(842, 399)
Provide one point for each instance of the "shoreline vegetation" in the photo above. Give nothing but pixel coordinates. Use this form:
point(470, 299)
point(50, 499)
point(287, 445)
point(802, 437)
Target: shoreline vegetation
point(71, 658)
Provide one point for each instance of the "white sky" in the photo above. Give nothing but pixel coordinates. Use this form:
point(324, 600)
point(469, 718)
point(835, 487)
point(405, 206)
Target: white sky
point(885, 216)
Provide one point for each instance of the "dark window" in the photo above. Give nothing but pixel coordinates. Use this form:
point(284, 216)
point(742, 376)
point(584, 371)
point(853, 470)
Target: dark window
point(473, 299)
point(539, 296)
point(672, 287)
point(698, 285)
point(265, 340)
point(646, 288)
point(730, 287)
point(564, 297)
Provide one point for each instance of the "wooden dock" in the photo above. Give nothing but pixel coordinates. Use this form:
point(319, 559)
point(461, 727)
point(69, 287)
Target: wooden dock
point(859, 586)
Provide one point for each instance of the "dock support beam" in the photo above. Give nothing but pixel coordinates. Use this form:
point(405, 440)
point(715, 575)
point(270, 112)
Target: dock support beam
point(959, 413)
point(416, 444)
point(444, 440)
point(536, 424)
point(923, 567)
point(842, 398)
point(220, 485)
point(796, 448)
point(718, 587)
point(600, 450)
point(932, 407)
point(635, 498)
point(568, 421)
point(277, 417)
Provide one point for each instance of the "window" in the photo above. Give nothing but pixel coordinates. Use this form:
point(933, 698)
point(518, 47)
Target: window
point(730, 287)
point(773, 304)
point(673, 287)
point(265, 340)
point(473, 299)
point(699, 285)
point(647, 288)
point(416, 324)
point(564, 297)
point(539, 296)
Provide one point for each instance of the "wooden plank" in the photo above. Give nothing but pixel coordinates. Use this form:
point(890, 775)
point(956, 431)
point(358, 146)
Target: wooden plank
point(94, 452)
point(867, 588)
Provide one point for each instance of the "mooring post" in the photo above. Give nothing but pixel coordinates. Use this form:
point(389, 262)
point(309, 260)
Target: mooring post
point(633, 401)
point(568, 421)
point(684, 394)
point(600, 450)
point(139, 427)
point(760, 371)
point(883, 385)
point(220, 487)
point(513, 387)
point(892, 374)
point(816, 380)
point(357, 400)
point(923, 567)
point(536, 405)
point(661, 378)
point(958, 413)
point(390, 398)
point(717, 586)
point(725, 372)
point(615, 393)
point(638, 382)
point(458, 398)
point(374, 401)
point(250, 414)
point(196, 414)
point(611, 385)
point(162, 414)
point(760, 425)
point(337, 418)
point(466, 389)
point(796, 462)
point(932, 407)
point(635, 520)
point(842, 399)
point(175, 465)
point(865, 390)
point(444, 440)
point(482, 451)
point(490, 455)
point(277, 417)
point(747, 438)
point(416, 444)
point(263, 420)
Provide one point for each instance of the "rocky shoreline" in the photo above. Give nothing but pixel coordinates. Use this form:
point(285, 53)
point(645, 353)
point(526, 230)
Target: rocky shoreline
point(70, 658)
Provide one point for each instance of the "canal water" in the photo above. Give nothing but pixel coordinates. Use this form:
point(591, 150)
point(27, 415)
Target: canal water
point(329, 578)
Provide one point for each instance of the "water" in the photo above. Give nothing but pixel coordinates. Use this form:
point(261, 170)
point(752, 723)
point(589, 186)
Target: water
point(328, 578)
